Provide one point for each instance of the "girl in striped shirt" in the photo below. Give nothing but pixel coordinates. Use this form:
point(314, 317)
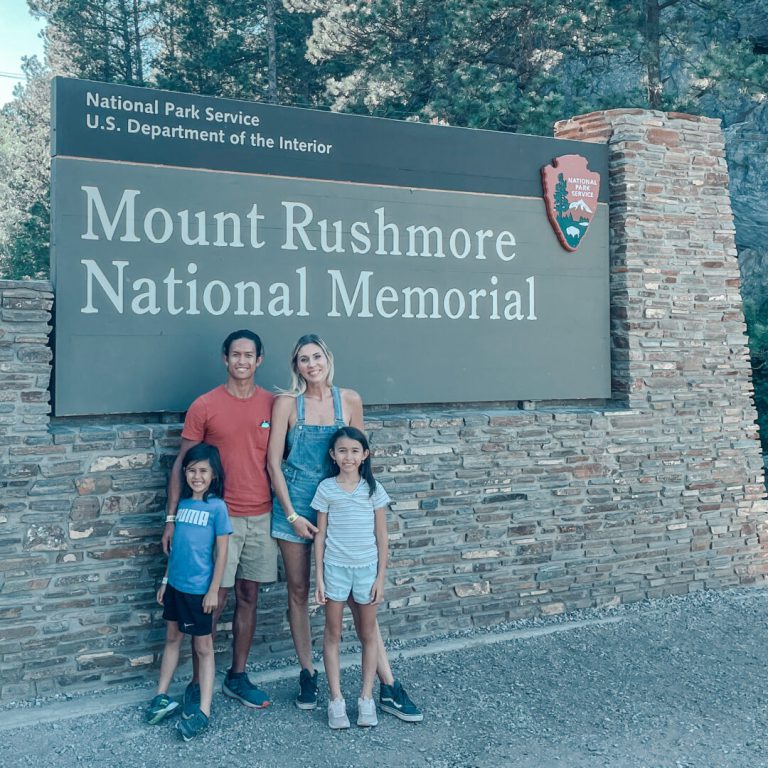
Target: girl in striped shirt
point(350, 559)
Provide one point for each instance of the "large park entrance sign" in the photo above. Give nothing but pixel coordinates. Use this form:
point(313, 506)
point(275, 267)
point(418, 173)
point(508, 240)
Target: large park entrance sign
point(422, 253)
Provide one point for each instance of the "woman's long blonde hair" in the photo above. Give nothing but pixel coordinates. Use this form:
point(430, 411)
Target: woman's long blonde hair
point(298, 385)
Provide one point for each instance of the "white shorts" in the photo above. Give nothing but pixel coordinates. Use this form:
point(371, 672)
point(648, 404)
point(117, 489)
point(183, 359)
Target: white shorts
point(341, 581)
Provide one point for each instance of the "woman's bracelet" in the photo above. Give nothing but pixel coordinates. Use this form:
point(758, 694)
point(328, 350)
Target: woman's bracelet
point(170, 519)
point(292, 517)
point(164, 580)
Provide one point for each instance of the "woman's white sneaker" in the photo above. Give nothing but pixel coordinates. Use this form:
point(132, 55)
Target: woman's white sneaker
point(366, 713)
point(337, 714)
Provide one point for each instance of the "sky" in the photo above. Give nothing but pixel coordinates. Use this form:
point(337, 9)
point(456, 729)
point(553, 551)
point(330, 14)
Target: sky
point(18, 37)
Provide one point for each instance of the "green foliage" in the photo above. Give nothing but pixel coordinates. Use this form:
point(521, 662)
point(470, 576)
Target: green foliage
point(27, 252)
point(490, 64)
point(210, 48)
point(731, 72)
point(497, 64)
point(25, 177)
point(756, 315)
point(222, 49)
point(686, 50)
point(98, 39)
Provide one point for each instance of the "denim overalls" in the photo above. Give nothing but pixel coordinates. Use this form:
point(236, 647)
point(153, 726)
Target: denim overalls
point(306, 465)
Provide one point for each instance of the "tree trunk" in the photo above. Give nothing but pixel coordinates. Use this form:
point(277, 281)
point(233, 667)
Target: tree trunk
point(125, 37)
point(105, 42)
point(652, 52)
point(139, 64)
point(272, 53)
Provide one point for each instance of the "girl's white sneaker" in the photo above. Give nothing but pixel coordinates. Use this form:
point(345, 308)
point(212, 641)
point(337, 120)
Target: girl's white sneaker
point(337, 714)
point(366, 713)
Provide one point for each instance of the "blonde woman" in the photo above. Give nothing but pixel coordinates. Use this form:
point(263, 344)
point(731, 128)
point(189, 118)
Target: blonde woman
point(303, 420)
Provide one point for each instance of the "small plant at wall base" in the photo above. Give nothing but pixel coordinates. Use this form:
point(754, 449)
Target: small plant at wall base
point(756, 315)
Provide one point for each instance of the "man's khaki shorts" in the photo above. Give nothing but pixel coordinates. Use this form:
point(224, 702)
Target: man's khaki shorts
point(252, 552)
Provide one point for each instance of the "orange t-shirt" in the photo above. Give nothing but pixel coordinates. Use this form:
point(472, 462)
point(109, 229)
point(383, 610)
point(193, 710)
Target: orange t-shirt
point(240, 430)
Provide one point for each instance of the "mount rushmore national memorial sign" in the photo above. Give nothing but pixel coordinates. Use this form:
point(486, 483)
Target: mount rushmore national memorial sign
point(425, 249)
point(431, 250)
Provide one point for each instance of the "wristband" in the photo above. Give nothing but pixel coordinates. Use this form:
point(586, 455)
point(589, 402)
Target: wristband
point(170, 519)
point(292, 517)
point(164, 580)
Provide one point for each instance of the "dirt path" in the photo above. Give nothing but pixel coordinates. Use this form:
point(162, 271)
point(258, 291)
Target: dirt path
point(677, 682)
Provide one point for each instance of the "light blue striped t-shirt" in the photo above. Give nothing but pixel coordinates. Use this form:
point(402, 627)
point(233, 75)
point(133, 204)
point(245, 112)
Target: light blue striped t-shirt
point(351, 538)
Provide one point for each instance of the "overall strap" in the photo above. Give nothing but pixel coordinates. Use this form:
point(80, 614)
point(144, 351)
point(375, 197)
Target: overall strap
point(338, 414)
point(300, 410)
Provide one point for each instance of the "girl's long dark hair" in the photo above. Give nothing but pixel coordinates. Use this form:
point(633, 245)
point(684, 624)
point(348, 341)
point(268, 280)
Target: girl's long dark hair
point(209, 453)
point(365, 468)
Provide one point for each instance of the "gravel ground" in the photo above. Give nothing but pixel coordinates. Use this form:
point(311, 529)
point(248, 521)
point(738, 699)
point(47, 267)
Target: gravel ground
point(672, 683)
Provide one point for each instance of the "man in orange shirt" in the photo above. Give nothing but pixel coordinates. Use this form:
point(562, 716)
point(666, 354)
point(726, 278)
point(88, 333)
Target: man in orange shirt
point(235, 417)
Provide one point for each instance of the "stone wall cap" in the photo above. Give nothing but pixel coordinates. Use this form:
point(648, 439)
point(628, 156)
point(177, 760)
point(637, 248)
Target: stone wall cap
point(635, 111)
point(693, 118)
point(34, 285)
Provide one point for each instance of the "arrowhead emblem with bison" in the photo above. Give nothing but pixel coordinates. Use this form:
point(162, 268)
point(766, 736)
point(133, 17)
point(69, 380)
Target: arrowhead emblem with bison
point(570, 194)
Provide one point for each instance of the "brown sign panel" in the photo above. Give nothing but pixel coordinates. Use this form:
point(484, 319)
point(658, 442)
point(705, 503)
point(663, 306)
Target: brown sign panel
point(422, 253)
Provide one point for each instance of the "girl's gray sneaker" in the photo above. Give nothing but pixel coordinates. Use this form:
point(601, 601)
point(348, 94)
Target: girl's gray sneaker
point(366, 713)
point(337, 714)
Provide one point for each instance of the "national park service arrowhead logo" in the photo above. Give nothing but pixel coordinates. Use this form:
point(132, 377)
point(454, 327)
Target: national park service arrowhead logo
point(570, 193)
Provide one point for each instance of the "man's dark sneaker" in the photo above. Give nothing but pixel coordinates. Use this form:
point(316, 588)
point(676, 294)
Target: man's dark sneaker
point(394, 699)
point(238, 686)
point(159, 708)
point(192, 726)
point(190, 702)
point(307, 698)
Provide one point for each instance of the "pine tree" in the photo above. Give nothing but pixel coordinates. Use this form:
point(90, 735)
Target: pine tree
point(495, 64)
point(97, 39)
point(210, 48)
point(25, 177)
point(252, 49)
point(688, 54)
point(561, 195)
point(486, 64)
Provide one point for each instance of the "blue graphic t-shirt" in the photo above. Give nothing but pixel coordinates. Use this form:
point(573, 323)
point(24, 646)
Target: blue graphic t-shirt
point(198, 523)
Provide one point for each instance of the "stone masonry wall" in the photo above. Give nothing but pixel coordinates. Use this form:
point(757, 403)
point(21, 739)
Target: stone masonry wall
point(499, 513)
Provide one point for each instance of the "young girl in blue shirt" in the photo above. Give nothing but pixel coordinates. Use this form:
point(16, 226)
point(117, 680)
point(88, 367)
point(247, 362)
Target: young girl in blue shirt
point(190, 588)
point(350, 559)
